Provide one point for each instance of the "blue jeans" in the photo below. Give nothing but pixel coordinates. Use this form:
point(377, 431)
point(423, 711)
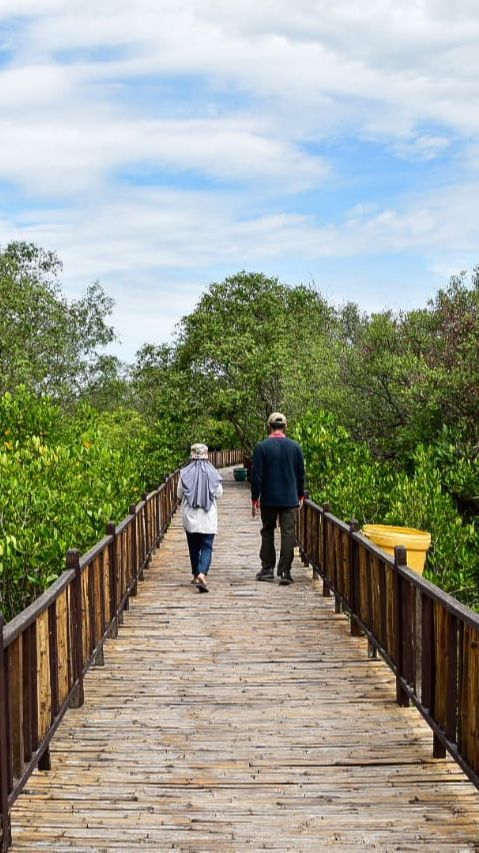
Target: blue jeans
point(200, 546)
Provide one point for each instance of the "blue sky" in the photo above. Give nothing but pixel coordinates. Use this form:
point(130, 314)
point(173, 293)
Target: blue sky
point(160, 146)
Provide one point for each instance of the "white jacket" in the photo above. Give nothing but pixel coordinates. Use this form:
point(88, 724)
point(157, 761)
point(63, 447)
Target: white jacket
point(197, 520)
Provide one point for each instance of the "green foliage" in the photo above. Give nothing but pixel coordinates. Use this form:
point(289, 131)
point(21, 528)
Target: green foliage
point(48, 344)
point(341, 471)
point(405, 376)
point(107, 387)
point(399, 440)
point(161, 391)
point(457, 460)
point(421, 501)
point(22, 415)
point(344, 473)
point(386, 407)
point(63, 477)
point(253, 346)
point(452, 352)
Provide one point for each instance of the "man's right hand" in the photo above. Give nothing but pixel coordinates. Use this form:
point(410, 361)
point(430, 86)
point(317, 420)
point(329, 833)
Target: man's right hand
point(254, 509)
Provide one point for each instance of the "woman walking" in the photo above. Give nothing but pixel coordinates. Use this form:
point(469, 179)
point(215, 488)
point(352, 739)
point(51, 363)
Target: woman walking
point(199, 487)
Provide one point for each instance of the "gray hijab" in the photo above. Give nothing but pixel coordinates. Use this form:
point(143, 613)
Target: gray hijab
point(200, 479)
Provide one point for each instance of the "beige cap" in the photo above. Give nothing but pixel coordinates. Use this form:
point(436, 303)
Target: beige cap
point(277, 419)
point(199, 451)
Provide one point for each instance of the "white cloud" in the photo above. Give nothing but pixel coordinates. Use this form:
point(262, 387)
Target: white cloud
point(420, 59)
point(380, 70)
point(246, 103)
point(18, 8)
point(33, 87)
point(156, 251)
point(74, 154)
point(128, 240)
point(424, 147)
point(151, 317)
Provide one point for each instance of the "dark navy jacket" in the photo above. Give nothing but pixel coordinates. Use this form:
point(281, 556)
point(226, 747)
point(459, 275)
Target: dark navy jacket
point(277, 477)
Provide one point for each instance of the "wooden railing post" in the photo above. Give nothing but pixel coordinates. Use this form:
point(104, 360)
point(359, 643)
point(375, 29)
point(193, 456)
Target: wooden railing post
point(400, 559)
point(158, 518)
point(324, 557)
point(167, 504)
point(76, 622)
point(147, 529)
point(428, 668)
point(317, 527)
point(29, 694)
point(308, 534)
point(137, 568)
point(111, 531)
point(305, 521)
point(161, 513)
point(53, 648)
point(45, 760)
point(6, 838)
point(354, 577)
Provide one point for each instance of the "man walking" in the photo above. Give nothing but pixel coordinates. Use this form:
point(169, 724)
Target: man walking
point(277, 489)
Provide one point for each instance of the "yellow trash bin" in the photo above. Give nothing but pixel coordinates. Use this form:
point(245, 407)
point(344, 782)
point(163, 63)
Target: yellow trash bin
point(415, 541)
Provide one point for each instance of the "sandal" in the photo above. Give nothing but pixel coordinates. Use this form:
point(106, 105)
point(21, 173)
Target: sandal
point(201, 585)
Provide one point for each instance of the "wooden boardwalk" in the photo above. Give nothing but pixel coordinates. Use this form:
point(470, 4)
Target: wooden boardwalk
point(245, 719)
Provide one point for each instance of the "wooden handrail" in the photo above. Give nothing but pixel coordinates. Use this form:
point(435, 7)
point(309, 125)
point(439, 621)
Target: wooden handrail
point(47, 649)
point(428, 639)
point(225, 458)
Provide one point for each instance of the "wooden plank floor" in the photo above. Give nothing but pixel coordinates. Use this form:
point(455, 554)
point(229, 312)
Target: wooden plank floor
point(245, 719)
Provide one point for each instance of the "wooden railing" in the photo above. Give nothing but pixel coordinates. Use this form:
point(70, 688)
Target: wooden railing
point(429, 640)
point(48, 648)
point(225, 458)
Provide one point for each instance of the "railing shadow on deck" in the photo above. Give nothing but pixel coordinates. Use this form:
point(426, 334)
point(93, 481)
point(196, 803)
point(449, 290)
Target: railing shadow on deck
point(47, 649)
point(428, 639)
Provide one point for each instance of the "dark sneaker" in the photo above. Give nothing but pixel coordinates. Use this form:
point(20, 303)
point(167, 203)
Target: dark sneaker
point(285, 578)
point(265, 575)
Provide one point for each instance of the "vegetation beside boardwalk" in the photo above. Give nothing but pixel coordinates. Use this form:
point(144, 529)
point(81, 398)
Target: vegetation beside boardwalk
point(385, 406)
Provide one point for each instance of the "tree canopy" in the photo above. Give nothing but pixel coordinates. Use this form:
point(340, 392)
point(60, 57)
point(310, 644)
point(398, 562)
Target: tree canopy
point(252, 346)
point(47, 343)
point(385, 404)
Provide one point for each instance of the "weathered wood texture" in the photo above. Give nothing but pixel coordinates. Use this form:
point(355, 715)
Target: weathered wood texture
point(427, 637)
point(247, 718)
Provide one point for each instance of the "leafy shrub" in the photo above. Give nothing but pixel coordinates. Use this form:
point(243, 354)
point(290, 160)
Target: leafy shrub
point(63, 477)
point(341, 471)
point(457, 460)
point(421, 501)
point(346, 475)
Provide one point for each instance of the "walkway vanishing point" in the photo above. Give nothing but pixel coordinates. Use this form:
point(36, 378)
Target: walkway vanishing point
point(248, 718)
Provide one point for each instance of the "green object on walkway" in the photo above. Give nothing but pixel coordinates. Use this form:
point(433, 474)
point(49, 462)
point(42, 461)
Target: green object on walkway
point(240, 474)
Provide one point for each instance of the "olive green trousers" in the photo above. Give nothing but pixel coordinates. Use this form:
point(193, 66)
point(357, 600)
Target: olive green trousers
point(270, 516)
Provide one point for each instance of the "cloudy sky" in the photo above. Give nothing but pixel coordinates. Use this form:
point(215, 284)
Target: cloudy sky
point(159, 145)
